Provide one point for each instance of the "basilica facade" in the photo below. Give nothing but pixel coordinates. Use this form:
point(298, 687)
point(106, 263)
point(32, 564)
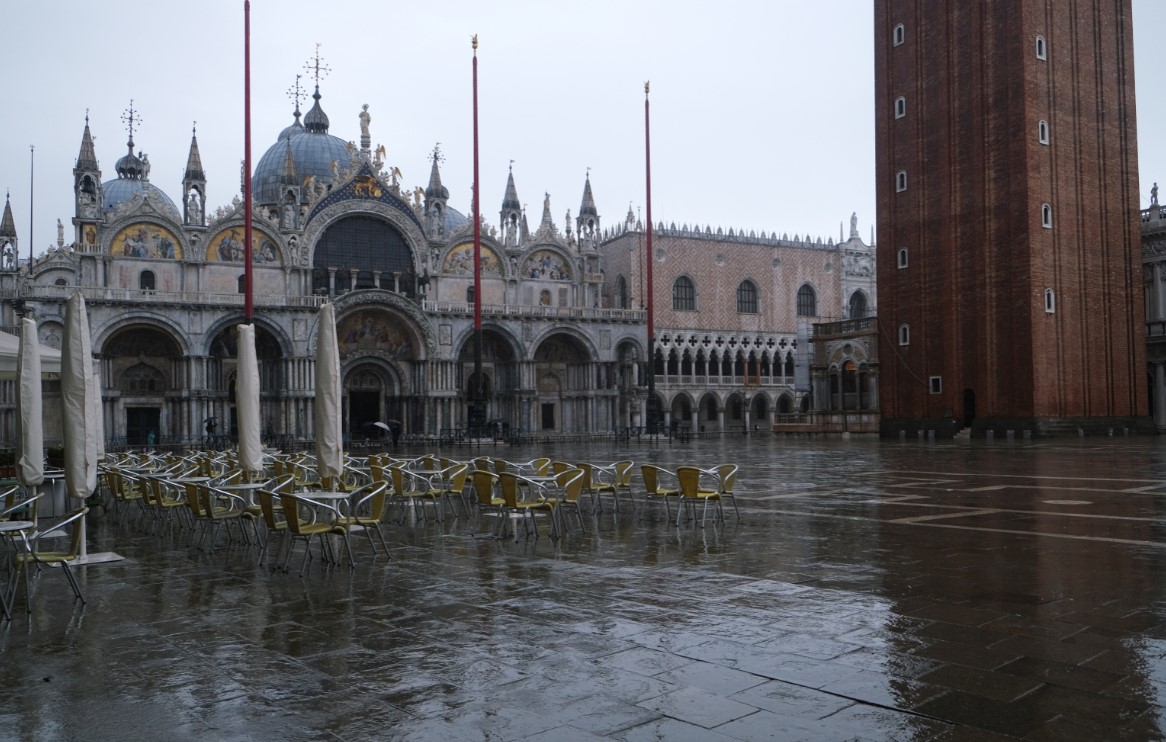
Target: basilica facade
point(564, 341)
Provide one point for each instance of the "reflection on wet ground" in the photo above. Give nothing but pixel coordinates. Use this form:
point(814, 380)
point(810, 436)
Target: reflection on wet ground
point(868, 591)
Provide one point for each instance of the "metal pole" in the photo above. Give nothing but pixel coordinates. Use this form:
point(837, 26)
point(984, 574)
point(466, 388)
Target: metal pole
point(247, 285)
point(653, 403)
point(478, 403)
point(31, 179)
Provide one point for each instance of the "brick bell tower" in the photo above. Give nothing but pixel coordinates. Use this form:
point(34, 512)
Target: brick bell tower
point(1009, 251)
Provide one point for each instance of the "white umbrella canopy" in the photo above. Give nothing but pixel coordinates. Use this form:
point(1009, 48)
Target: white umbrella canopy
point(50, 358)
point(247, 400)
point(30, 444)
point(327, 407)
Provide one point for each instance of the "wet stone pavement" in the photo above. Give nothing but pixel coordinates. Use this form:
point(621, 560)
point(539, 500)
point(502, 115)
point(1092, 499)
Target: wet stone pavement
point(870, 590)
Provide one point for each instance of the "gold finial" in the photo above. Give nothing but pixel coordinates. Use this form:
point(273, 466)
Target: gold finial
point(474, 43)
point(646, 86)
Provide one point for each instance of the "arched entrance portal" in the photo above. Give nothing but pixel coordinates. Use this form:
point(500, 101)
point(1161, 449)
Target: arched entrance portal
point(378, 347)
point(500, 378)
point(139, 362)
point(222, 373)
point(561, 375)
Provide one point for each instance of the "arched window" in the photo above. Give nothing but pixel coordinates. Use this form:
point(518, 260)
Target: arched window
point(1050, 301)
point(857, 308)
point(899, 35)
point(243, 283)
point(63, 282)
point(747, 298)
point(469, 294)
point(900, 107)
point(684, 294)
point(1042, 51)
point(807, 301)
point(902, 257)
point(145, 281)
point(1042, 131)
point(621, 293)
point(904, 335)
point(1046, 216)
point(901, 181)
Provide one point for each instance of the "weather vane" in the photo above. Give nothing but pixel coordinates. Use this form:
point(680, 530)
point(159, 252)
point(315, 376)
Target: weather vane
point(437, 156)
point(131, 117)
point(316, 67)
point(295, 93)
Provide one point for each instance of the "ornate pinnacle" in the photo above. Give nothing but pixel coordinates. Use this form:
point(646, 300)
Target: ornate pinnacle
point(295, 93)
point(316, 67)
point(131, 117)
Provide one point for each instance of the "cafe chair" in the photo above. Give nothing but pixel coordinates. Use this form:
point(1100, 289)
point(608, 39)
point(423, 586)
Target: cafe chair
point(486, 489)
point(570, 486)
point(299, 511)
point(527, 507)
point(691, 492)
point(33, 555)
point(367, 510)
point(410, 488)
point(727, 476)
point(654, 486)
point(614, 480)
point(271, 511)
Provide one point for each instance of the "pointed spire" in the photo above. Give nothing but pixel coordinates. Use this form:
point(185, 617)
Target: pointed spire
point(547, 223)
point(86, 158)
point(436, 189)
point(194, 160)
point(7, 223)
point(510, 200)
point(587, 208)
point(289, 167)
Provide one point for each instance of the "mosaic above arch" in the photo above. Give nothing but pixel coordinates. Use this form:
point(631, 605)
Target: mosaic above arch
point(146, 241)
point(460, 261)
point(373, 330)
point(546, 264)
point(227, 247)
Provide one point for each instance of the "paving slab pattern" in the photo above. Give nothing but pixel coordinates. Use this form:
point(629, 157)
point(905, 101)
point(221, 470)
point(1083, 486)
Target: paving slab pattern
point(870, 591)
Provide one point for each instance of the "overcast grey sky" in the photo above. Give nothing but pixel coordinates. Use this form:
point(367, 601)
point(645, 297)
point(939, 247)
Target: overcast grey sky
point(762, 111)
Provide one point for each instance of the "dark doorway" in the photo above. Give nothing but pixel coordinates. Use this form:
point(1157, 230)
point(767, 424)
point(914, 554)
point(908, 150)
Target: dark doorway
point(969, 407)
point(364, 409)
point(142, 425)
point(548, 413)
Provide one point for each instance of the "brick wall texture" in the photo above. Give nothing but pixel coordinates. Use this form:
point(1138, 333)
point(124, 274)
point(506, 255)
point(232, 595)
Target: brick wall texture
point(979, 260)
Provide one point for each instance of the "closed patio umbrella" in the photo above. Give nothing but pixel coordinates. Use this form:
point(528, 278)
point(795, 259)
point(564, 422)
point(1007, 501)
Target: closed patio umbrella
point(30, 445)
point(81, 429)
point(327, 406)
point(247, 400)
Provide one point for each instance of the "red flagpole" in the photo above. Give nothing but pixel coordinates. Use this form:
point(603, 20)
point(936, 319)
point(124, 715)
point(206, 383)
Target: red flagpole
point(247, 287)
point(477, 218)
point(648, 260)
point(478, 403)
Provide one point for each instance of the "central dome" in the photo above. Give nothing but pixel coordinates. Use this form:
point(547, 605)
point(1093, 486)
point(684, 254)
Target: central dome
point(311, 150)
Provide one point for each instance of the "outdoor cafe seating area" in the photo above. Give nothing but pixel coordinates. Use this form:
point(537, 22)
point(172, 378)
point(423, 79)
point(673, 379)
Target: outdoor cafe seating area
point(292, 519)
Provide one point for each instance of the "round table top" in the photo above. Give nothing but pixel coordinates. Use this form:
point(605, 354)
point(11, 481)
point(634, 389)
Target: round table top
point(15, 525)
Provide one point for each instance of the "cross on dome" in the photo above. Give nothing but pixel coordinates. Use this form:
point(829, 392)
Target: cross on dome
point(316, 67)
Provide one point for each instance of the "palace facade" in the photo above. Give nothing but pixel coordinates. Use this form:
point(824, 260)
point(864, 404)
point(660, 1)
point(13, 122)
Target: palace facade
point(564, 336)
